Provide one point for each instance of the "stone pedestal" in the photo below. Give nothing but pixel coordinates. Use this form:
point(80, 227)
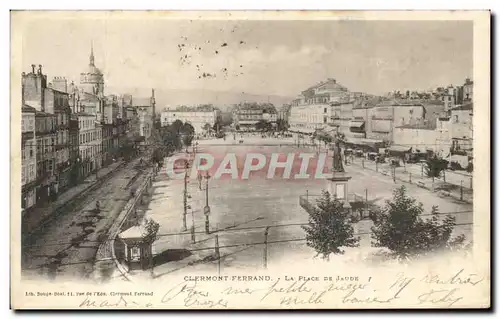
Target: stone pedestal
point(338, 187)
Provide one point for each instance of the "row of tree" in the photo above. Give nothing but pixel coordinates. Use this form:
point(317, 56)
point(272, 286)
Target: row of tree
point(398, 226)
point(266, 126)
point(170, 138)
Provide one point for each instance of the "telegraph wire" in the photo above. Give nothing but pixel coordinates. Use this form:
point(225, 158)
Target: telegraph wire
point(202, 249)
point(222, 230)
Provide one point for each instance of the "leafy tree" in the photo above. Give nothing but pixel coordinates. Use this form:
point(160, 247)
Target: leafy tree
point(263, 125)
point(187, 133)
point(237, 127)
point(434, 166)
point(281, 124)
point(207, 127)
point(187, 129)
point(150, 230)
point(325, 138)
point(330, 227)
point(399, 226)
point(217, 125)
point(176, 126)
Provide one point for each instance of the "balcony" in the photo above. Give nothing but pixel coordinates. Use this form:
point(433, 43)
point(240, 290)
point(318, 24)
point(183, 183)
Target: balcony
point(26, 136)
point(61, 146)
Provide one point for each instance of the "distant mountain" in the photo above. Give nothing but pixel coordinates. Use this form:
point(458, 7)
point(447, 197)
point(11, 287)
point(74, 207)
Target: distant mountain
point(223, 100)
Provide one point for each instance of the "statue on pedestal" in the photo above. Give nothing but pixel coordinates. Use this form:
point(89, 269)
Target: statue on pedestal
point(337, 158)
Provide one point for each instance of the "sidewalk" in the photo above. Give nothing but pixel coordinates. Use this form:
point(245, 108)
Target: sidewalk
point(443, 189)
point(174, 250)
point(38, 215)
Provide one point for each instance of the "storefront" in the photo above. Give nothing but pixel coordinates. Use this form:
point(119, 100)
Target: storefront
point(365, 144)
point(400, 151)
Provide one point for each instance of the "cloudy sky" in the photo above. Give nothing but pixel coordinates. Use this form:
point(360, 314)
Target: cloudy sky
point(263, 57)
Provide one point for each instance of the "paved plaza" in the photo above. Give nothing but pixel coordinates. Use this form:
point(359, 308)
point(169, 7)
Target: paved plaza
point(242, 209)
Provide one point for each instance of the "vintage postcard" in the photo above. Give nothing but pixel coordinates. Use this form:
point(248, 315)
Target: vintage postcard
point(250, 160)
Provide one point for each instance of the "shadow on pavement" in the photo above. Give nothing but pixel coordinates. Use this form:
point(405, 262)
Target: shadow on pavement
point(170, 255)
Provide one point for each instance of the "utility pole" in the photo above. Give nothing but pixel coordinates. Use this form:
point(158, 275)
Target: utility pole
point(206, 210)
point(184, 223)
point(461, 190)
point(193, 236)
point(366, 202)
point(217, 253)
point(266, 233)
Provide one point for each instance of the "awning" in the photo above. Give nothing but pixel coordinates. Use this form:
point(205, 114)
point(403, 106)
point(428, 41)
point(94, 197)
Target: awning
point(357, 124)
point(399, 148)
point(306, 130)
point(363, 141)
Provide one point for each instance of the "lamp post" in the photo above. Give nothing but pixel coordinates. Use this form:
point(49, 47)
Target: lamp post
point(206, 209)
point(186, 196)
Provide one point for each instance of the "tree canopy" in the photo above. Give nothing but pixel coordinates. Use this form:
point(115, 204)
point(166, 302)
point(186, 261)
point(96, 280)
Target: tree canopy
point(330, 227)
point(402, 227)
point(263, 126)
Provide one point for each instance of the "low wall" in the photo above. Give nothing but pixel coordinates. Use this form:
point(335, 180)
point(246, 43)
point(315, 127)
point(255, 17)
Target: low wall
point(107, 248)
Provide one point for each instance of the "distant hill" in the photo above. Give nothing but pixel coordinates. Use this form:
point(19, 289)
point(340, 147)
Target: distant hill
point(223, 100)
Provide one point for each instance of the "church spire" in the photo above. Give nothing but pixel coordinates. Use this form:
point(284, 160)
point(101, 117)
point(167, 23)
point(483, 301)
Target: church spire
point(91, 53)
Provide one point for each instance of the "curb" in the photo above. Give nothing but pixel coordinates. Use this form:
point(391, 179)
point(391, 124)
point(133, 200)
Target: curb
point(119, 221)
point(418, 184)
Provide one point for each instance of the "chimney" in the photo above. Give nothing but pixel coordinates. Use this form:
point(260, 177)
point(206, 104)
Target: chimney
point(33, 68)
point(40, 69)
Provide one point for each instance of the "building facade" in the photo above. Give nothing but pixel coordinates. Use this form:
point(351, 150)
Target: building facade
point(74, 151)
point(246, 116)
point(53, 110)
point(324, 105)
point(198, 119)
point(28, 158)
point(46, 135)
point(90, 143)
point(462, 129)
point(468, 90)
point(145, 108)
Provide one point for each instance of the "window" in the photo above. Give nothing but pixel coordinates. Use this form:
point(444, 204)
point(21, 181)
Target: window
point(455, 119)
point(135, 253)
point(325, 110)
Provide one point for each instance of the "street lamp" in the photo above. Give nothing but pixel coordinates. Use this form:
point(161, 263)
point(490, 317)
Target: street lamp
point(206, 209)
point(186, 196)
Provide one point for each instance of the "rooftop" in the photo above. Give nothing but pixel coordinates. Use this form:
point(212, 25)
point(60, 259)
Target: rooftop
point(28, 109)
point(420, 126)
point(84, 114)
point(464, 107)
point(400, 102)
